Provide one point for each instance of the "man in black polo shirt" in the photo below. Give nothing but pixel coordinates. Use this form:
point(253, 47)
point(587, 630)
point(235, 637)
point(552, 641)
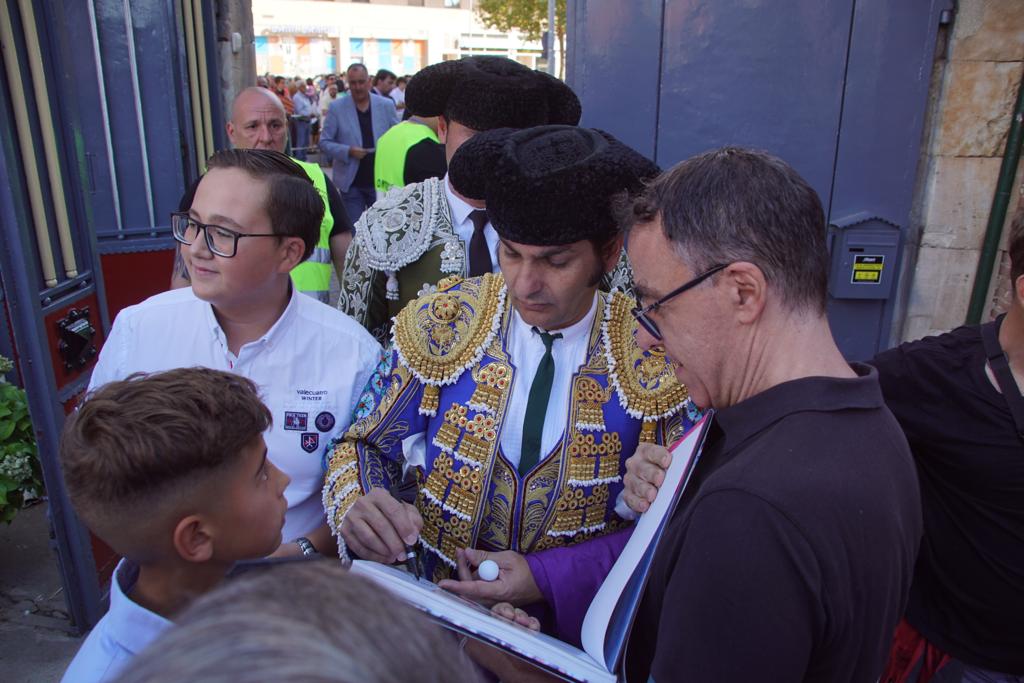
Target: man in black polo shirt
point(957, 397)
point(791, 554)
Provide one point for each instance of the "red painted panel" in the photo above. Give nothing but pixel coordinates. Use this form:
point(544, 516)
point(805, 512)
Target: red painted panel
point(72, 403)
point(60, 373)
point(131, 278)
point(128, 279)
point(103, 557)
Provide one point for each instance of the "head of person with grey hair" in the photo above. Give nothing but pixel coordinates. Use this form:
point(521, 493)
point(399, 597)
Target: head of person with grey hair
point(302, 621)
point(743, 224)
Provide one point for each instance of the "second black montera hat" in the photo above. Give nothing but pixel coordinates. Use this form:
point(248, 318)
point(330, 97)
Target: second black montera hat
point(487, 92)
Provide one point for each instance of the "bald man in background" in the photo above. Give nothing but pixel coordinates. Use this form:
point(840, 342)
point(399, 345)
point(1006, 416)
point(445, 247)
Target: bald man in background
point(258, 121)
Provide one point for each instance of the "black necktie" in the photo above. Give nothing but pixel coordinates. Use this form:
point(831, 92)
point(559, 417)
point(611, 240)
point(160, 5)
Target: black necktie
point(479, 254)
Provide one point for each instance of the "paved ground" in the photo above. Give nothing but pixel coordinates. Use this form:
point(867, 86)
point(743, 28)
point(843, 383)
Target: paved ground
point(36, 636)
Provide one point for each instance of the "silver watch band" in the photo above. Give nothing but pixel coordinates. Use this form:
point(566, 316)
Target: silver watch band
point(305, 546)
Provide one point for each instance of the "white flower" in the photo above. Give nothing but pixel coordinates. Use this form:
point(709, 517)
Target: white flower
point(17, 467)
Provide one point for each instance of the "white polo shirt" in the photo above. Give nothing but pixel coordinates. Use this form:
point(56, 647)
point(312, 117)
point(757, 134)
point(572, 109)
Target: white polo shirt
point(310, 367)
point(123, 632)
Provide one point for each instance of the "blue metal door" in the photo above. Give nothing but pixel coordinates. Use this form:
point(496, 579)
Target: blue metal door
point(838, 89)
point(108, 113)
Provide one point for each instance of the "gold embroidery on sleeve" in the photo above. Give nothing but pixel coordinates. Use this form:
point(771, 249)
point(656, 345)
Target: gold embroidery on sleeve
point(644, 381)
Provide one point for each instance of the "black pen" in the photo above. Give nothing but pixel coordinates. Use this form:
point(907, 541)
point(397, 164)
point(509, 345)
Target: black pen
point(406, 493)
point(412, 564)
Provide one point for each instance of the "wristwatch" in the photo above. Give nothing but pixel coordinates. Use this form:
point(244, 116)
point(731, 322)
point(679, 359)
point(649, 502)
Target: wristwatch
point(305, 546)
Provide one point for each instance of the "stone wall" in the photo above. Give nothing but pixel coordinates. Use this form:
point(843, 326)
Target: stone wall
point(976, 77)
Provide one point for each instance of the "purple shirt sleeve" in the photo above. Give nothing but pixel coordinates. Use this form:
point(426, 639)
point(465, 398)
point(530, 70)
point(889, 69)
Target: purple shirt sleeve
point(569, 578)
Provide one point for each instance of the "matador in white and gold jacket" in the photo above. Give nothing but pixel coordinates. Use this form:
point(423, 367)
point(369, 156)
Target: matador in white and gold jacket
point(444, 413)
point(517, 435)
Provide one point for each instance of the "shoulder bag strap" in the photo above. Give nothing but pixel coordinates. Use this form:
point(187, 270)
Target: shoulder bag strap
point(1001, 369)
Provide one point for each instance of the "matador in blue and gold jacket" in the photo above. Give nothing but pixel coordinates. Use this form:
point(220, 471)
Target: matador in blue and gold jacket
point(443, 412)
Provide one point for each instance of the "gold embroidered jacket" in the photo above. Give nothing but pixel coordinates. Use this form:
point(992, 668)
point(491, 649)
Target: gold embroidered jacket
point(451, 380)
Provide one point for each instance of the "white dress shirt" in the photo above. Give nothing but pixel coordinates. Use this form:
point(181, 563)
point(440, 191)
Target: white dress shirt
point(310, 367)
point(463, 226)
point(124, 631)
point(526, 349)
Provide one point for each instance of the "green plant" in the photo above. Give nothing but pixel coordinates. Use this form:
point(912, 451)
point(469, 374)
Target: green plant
point(20, 473)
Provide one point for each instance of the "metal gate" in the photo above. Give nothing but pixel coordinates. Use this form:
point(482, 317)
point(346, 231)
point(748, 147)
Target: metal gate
point(838, 89)
point(107, 116)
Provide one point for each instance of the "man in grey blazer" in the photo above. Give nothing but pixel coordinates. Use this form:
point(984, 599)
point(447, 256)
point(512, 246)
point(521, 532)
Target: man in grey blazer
point(349, 136)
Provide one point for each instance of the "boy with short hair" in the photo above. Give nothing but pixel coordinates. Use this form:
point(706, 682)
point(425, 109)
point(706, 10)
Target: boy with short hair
point(171, 471)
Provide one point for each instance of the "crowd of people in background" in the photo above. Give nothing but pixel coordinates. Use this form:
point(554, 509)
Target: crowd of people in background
point(306, 100)
point(346, 140)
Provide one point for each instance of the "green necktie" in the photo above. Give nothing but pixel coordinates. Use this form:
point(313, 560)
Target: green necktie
point(537, 405)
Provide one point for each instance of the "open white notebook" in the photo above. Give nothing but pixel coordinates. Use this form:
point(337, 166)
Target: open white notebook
point(610, 615)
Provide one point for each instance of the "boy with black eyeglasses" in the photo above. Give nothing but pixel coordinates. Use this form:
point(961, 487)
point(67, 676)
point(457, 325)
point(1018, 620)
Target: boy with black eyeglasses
point(255, 216)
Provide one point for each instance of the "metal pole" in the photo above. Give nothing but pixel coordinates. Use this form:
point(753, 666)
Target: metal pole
point(140, 121)
point(20, 277)
point(551, 37)
point(38, 76)
point(97, 56)
point(193, 83)
point(23, 128)
point(997, 216)
point(204, 79)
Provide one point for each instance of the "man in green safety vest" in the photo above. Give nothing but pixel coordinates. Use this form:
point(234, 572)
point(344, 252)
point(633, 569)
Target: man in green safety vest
point(409, 153)
point(258, 121)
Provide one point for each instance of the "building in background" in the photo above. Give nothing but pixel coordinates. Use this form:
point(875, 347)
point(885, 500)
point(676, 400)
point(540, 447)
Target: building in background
point(307, 37)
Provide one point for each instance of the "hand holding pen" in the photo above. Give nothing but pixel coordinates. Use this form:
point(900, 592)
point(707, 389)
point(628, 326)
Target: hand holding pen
point(379, 527)
point(406, 493)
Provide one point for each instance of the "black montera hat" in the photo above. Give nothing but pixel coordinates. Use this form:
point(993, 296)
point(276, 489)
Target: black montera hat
point(550, 184)
point(483, 93)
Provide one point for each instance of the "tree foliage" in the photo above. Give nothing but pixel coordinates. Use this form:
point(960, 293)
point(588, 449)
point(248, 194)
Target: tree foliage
point(524, 16)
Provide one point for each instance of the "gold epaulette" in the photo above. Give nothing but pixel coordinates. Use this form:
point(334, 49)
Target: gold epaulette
point(441, 335)
point(644, 381)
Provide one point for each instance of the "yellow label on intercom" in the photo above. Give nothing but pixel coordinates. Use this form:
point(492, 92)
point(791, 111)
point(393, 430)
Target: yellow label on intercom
point(867, 270)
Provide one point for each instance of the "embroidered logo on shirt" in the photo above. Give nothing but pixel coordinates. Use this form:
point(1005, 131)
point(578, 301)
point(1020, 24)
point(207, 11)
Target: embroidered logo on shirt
point(311, 395)
point(310, 440)
point(295, 421)
point(324, 421)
